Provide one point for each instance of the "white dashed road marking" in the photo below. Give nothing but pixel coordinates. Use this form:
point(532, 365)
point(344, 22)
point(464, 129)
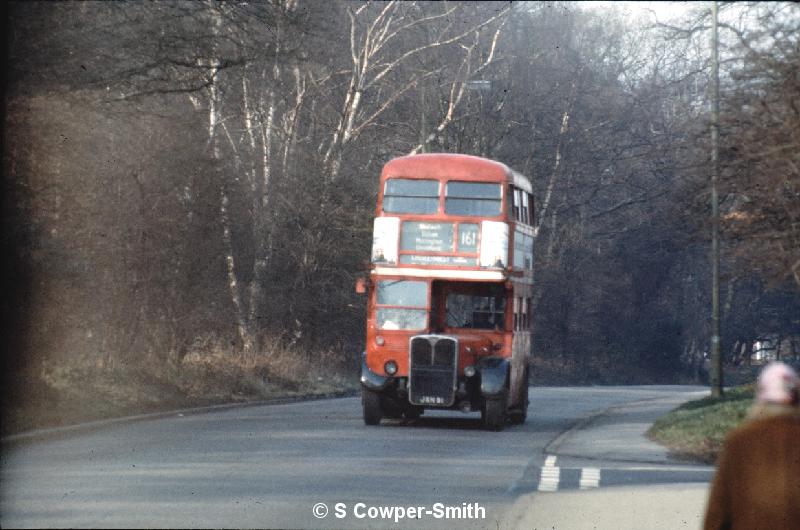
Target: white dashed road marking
point(551, 477)
point(548, 481)
point(590, 478)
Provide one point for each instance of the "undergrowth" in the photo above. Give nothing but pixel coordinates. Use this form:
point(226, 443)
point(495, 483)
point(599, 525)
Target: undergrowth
point(62, 394)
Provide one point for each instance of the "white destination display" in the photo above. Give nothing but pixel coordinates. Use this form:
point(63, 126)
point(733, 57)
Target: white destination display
point(427, 237)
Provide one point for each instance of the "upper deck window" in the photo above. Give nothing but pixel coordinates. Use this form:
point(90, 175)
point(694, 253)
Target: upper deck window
point(520, 205)
point(516, 202)
point(525, 210)
point(411, 196)
point(479, 199)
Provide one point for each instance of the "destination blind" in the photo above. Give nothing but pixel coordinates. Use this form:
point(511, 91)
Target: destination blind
point(418, 240)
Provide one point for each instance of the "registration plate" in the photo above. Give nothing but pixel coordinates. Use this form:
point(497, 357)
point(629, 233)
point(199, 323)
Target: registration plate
point(431, 400)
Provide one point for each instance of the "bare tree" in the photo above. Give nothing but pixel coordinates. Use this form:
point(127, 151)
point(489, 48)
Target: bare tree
point(380, 46)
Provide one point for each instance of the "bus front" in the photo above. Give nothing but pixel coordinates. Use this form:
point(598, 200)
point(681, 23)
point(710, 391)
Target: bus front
point(442, 310)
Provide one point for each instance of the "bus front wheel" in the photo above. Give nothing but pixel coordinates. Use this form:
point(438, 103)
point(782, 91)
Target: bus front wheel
point(371, 401)
point(493, 414)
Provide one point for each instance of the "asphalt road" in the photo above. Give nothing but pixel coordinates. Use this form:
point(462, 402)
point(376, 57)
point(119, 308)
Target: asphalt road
point(268, 466)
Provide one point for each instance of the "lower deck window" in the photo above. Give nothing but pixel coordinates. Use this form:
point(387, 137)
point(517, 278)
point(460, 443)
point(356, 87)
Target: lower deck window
point(477, 312)
point(523, 312)
point(407, 301)
point(400, 318)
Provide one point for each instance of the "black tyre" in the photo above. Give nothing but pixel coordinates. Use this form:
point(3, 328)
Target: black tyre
point(493, 414)
point(371, 402)
point(519, 416)
point(413, 413)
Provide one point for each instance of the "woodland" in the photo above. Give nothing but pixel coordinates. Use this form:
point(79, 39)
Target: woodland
point(189, 187)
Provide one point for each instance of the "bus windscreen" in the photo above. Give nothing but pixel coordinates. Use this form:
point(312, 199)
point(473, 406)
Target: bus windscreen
point(407, 294)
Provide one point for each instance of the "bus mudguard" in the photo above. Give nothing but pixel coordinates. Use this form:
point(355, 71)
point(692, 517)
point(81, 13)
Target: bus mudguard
point(370, 379)
point(494, 374)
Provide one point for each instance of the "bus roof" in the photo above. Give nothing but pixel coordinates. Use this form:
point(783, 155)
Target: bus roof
point(453, 166)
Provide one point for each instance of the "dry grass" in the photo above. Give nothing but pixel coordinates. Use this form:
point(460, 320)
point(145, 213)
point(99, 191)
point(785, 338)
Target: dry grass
point(63, 394)
point(275, 372)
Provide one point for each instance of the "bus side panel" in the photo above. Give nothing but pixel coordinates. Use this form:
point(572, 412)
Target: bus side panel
point(520, 349)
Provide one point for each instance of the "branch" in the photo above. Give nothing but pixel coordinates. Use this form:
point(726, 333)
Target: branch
point(392, 65)
point(143, 93)
point(627, 202)
point(356, 130)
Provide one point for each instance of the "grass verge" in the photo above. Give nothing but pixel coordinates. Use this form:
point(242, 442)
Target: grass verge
point(68, 394)
point(696, 430)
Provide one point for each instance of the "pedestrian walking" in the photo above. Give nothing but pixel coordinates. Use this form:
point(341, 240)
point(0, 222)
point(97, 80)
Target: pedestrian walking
point(757, 483)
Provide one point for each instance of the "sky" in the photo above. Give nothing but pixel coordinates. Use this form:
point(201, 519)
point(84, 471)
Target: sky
point(662, 11)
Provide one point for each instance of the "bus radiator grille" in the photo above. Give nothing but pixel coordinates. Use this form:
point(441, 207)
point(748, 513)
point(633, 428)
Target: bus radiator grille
point(432, 371)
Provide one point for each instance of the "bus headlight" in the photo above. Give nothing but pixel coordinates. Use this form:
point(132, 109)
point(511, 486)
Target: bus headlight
point(390, 367)
point(469, 371)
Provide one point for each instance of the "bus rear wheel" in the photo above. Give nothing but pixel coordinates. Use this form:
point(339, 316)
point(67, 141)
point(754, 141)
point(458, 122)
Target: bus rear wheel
point(518, 417)
point(371, 402)
point(493, 413)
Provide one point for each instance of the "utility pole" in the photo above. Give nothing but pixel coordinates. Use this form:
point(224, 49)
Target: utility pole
point(715, 377)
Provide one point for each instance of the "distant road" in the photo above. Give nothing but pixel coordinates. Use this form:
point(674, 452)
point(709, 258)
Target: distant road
point(273, 466)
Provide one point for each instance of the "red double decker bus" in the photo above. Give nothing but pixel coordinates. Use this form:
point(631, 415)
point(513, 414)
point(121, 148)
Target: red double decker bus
point(449, 310)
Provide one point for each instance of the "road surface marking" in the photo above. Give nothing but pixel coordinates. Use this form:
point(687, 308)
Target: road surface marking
point(692, 469)
point(550, 476)
point(590, 478)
